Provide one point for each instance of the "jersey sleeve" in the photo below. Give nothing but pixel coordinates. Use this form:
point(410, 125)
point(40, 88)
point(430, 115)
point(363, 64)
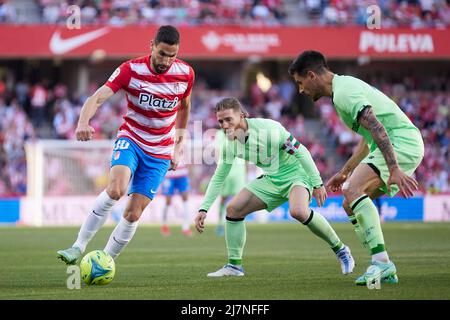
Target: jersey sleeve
point(295, 148)
point(120, 78)
point(215, 185)
point(190, 83)
point(351, 100)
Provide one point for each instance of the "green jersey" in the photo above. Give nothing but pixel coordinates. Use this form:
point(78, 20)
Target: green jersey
point(270, 147)
point(351, 95)
point(237, 176)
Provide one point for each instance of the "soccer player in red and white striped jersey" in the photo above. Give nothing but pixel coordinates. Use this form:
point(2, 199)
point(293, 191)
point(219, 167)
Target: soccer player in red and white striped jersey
point(149, 142)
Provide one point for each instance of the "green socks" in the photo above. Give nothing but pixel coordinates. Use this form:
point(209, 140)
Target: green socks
point(321, 228)
point(235, 236)
point(359, 232)
point(367, 217)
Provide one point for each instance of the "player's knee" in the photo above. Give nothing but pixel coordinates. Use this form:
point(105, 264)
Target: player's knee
point(233, 212)
point(132, 215)
point(299, 213)
point(346, 207)
point(351, 193)
point(115, 190)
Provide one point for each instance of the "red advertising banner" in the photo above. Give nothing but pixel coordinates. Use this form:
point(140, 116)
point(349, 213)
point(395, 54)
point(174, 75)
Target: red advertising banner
point(224, 42)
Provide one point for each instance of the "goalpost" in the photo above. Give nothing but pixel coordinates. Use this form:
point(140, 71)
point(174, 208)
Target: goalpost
point(65, 176)
point(68, 168)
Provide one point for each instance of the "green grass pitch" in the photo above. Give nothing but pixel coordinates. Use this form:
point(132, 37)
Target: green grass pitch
point(281, 261)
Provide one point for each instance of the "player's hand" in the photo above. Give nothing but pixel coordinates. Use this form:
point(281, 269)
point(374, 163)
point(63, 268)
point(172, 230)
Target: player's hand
point(335, 183)
point(175, 159)
point(84, 132)
point(320, 194)
point(407, 185)
point(200, 221)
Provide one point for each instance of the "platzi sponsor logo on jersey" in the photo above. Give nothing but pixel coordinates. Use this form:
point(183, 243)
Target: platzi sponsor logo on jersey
point(149, 101)
point(401, 43)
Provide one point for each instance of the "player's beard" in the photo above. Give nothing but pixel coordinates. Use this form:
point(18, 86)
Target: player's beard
point(159, 68)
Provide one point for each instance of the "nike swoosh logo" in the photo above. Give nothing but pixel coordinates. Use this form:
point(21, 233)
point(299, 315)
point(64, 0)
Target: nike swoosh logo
point(152, 191)
point(61, 46)
point(144, 87)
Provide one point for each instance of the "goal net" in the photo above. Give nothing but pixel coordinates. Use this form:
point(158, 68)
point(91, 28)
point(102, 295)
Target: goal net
point(64, 169)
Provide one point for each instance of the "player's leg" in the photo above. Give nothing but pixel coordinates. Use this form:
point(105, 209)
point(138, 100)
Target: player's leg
point(373, 194)
point(227, 190)
point(299, 198)
point(117, 187)
point(127, 226)
point(123, 163)
point(240, 206)
point(364, 179)
point(146, 180)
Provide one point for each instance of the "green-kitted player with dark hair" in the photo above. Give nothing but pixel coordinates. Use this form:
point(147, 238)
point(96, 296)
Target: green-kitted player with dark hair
point(289, 175)
point(389, 153)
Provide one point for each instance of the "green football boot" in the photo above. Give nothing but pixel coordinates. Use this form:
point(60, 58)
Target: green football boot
point(385, 271)
point(69, 256)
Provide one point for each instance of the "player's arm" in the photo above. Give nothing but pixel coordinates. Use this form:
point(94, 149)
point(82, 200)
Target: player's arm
point(84, 131)
point(294, 147)
point(212, 192)
point(361, 151)
point(369, 121)
point(336, 181)
point(307, 162)
point(181, 123)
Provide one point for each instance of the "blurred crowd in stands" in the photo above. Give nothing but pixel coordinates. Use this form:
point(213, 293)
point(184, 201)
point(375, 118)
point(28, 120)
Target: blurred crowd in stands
point(27, 109)
point(394, 13)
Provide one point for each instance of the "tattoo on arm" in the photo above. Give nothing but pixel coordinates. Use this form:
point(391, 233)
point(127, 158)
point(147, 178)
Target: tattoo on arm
point(369, 121)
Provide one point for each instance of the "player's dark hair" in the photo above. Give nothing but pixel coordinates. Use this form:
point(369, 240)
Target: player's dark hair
point(167, 34)
point(308, 61)
point(230, 103)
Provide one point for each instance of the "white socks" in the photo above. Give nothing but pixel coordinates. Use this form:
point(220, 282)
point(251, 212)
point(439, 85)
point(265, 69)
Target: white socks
point(96, 218)
point(381, 256)
point(120, 237)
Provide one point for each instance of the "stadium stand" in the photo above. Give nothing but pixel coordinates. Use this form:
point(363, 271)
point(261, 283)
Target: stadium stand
point(32, 107)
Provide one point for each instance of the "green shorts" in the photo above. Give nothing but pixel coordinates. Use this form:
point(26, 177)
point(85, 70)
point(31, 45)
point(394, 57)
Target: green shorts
point(409, 150)
point(275, 195)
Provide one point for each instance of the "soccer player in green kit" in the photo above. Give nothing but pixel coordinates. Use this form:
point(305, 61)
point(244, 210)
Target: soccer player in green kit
point(290, 175)
point(234, 182)
point(388, 154)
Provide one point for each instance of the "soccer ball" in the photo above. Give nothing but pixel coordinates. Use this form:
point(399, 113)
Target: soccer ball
point(97, 267)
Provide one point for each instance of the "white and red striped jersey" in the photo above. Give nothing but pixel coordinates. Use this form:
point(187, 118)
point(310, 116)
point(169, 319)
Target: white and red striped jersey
point(153, 101)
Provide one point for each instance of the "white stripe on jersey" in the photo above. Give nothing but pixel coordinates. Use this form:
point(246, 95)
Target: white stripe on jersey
point(178, 69)
point(140, 68)
point(161, 150)
point(154, 123)
point(166, 88)
point(151, 137)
